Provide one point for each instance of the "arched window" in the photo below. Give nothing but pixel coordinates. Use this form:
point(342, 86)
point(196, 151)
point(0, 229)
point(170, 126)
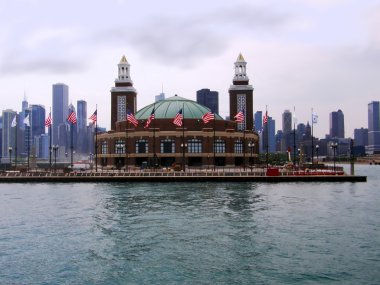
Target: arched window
point(238, 147)
point(104, 146)
point(220, 146)
point(195, 146)
point(119, 147)
point(141, 146)
point(167, 146)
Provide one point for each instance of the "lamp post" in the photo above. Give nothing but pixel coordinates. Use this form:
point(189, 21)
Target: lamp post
point(55, 150)
point(317, 151)
point(183, 146)
point(334, 145)
point(251, 145)
point(10, 157)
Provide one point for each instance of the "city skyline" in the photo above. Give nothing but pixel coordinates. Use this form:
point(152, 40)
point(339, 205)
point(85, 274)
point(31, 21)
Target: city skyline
point(320, 54)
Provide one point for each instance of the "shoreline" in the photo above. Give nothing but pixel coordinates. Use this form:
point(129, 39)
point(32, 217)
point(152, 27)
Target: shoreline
point(247, 176)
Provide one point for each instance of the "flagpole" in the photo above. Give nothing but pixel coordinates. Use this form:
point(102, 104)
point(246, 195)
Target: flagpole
point(183, 137)
point(294, 138)
point(214, 141)
point(50, 142)
point(96, 140)
point(72, 145)
point(154, 137)
point(126, 144)
point(28, 128)
point(267, 135)
point(16, 144)
point(312, 139)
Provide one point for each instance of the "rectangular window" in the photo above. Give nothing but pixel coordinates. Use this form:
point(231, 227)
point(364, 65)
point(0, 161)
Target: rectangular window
point(167, 146)
point(220, 146)
point(121, 107)
point(241, 106)
point(120, 147)
point(141, 146)
point(195, 146)
point(104, 148)
point(238, 147)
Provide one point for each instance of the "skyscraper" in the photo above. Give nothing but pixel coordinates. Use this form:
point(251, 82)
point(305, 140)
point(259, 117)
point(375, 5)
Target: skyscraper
point(258, 121)
point(374, 127)
point(209, 98)
point(361, 137)
point(82, 144)
point(8, 139)
point(337, 124)
point(286, 122)
point(159, 97)
point(37, 120)
point(60, 108)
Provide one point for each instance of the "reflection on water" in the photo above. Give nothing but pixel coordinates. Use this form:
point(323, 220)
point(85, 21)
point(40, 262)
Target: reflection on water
point(224, 233)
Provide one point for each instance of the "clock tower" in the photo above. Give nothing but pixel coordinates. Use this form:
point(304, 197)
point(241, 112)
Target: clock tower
point(123, 95)
point(241, 95)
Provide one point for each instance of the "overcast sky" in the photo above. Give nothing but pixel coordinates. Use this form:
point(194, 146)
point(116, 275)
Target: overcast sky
point(321, 54)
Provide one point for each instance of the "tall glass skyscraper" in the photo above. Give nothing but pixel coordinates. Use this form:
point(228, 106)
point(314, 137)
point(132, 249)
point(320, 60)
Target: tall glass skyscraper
point(60, 108)
point(374, 127)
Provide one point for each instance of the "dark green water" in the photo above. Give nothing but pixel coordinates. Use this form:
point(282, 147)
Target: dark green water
point(197, 233)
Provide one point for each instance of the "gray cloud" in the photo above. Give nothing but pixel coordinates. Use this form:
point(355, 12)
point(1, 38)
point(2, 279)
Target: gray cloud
point(186, 41)
point(41, 65)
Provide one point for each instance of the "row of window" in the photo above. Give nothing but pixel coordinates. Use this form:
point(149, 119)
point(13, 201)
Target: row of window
point(168, 146)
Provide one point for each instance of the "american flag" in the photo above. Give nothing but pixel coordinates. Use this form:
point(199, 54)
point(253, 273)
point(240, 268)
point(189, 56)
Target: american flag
point(178, 119)
point(150, 119)
point(208, 117)
point(72, 118)
point(265, 119)
point(48, 121)
point(131, 118)
point(239, 117)
point(94, 117)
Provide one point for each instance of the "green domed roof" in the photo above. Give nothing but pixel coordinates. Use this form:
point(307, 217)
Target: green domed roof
point(168, 108)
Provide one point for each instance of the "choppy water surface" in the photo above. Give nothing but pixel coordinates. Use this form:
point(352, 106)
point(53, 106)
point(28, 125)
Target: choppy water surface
point(196, 233)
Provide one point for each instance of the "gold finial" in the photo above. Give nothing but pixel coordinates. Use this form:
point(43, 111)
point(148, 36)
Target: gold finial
point(123, 59)
point(240, 57)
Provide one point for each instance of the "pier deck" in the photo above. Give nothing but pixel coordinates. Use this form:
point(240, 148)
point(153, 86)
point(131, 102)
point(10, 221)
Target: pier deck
point(193, 176)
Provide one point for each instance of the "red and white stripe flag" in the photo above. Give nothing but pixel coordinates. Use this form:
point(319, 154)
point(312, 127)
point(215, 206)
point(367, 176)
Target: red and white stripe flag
point(208, 117)
point(178, 119)
point(48, 121)
point(131, 118)
point(72, 118)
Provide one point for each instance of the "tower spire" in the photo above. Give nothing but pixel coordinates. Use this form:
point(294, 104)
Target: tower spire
point(240, 77)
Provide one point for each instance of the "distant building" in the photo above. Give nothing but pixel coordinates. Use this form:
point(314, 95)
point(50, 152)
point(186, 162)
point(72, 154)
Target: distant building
point(361, 137)
point(301, 131)
point(270, 139)
point(209, 98)
point(37, 120)
point(337, 124)
point(8, 135)
point(82, 142)
point(286, 122)
point(159, 97)
point(258, 121)
point(60, 109)
point(374, 127)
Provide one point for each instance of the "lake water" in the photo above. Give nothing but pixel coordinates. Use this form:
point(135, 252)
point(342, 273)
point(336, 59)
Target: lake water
point(191, 233)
